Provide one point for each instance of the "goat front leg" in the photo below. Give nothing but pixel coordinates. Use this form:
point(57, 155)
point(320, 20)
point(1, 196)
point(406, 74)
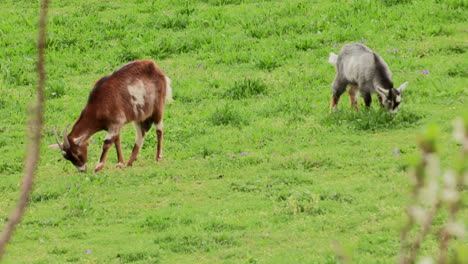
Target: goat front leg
point(367, 99)
point(108, 141)
point(380, 100)
point(120, 157)
point(333, 102)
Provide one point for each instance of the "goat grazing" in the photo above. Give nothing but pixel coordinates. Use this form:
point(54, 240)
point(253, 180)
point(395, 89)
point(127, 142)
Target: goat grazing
point(136, 92)
point(365, 72)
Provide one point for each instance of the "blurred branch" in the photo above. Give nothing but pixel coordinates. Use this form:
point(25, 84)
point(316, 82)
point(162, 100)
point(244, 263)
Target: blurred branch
point(427, 145)
point(453, 186)
point(424, 230)
point(34, 134)
point(429, 198)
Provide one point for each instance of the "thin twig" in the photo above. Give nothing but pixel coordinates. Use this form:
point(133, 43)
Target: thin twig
point(424, 230)
point(444, 242)
point(462, 132)
point(35, 125)
point(404, 240)
point(445, 236)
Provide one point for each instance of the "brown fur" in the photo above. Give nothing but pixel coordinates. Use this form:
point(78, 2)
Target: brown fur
point(110, 106)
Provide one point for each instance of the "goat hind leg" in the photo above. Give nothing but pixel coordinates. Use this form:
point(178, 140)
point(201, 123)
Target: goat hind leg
point(339, 87)
point(353, 97)
point(158, 120)
point(160, 135)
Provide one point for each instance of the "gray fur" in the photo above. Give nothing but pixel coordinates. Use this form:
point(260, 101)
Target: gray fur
point(358, 65)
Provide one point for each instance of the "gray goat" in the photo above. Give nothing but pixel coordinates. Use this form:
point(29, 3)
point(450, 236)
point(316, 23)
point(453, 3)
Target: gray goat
point(365, 72)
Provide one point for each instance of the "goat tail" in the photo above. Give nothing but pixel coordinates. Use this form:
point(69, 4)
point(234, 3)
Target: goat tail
point(168, 91)
point(333, 58)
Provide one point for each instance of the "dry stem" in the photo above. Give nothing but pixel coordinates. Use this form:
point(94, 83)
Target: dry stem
point(35, 125)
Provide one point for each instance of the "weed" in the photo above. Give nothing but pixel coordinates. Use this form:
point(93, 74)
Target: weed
point(372, 119)
point(302, 202)
point(178, 21)
point(306, 163)
point(163, 49)
point(187, 9)
point(225, 2)
point(55, 89)
point(73, 259)
point(228, 115)
point(307, 44)
point(58, 251)
point(458, 71)
point(10, 168)
point(246, 88)
point(247, 187)
point(80, 206)
point(220, 226)
point(259, 28)
point(337, 197)
point(159, 222)
point(129, 55)
point(44, 223)
point(61, 42)
point(453, 3)
point(268, 62)
point(395, 2)
point(43, 196)
point(146, 257)
point(188, 243)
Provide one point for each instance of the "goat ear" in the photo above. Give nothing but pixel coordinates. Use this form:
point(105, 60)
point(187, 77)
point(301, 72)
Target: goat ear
point(402, 87)
point(54, 146)
point(382, 91)
point(79, 140)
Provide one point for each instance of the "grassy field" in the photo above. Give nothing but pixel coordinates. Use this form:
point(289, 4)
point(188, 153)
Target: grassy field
point(255, 169)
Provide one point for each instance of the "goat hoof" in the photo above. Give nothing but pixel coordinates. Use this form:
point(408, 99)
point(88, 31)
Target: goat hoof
point(119, 165)
point(98, 169)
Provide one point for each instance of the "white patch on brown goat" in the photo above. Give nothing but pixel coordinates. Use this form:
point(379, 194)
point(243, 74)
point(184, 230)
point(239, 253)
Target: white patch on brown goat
point(139, 134)
point(78, 140)
point(159, 126)
point(111, 134)
point(137, 93)
point(168, 91)
point(99, 165)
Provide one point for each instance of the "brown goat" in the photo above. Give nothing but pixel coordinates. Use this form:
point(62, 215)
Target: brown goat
point(136, 92)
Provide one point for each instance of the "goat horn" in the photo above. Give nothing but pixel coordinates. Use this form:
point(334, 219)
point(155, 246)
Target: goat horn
point(57, 139)
point(66, 143)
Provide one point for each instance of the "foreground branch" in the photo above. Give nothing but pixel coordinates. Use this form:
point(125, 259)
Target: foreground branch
point(34, 134)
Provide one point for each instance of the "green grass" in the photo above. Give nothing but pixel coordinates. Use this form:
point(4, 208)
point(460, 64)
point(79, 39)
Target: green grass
point(255, 169)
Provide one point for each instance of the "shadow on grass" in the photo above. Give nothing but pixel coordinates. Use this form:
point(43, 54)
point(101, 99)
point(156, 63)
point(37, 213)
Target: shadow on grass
point(372, 119)
point(141, 257)
point(191, 243)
